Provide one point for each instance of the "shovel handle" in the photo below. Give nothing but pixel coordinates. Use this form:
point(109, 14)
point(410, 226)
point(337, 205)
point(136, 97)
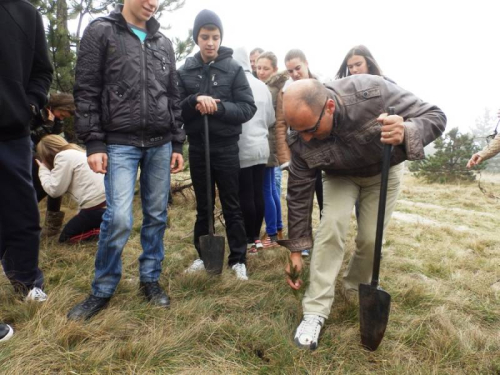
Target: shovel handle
point(386, 164)
point(209, 179)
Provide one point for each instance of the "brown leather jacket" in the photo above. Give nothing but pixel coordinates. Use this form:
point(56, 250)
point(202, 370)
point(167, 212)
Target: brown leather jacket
point(354, 147)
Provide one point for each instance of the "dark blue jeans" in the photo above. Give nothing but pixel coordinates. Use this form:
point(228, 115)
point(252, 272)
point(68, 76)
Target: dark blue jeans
point(225, 168)
point(19, 216)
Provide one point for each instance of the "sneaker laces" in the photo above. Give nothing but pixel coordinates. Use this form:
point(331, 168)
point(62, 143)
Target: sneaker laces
point(310, 326)
point(241, 271)
point(197, 264)
point(36, 294)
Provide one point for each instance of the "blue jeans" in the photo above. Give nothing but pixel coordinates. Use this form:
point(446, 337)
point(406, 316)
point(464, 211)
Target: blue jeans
point(272, 203)
point(278, 173)
point(123, 164)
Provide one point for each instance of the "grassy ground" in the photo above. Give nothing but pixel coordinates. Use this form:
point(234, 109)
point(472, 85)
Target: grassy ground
point(443, 275)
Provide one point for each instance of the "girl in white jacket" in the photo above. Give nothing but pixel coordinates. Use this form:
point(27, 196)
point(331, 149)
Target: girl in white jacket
point(64, 169)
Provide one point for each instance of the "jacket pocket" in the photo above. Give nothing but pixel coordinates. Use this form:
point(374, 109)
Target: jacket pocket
point(118, 108)
point(321, 156)
point(161, 66)
point(367, 141)
point(221, 87)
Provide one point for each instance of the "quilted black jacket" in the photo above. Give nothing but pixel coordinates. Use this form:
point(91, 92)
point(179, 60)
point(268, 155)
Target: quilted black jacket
point(222, 79)
point(125, 90)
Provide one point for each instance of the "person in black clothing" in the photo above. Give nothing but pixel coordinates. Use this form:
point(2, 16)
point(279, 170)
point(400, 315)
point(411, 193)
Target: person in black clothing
point(25, 77)
point(212, 83)
point(128, 115)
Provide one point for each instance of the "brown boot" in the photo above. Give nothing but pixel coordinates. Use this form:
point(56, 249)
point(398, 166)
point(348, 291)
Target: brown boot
point(53, 224)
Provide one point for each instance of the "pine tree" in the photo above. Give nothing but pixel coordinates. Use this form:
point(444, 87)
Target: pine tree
point(448, 164)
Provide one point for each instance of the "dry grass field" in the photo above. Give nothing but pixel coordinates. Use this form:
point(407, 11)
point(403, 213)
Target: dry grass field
point(441, 266)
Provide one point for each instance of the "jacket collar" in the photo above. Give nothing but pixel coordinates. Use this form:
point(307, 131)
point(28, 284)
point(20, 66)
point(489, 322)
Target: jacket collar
point(152, 25)
point(222, 61)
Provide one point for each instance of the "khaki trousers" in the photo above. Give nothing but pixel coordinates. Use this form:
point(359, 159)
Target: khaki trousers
point(340, 194)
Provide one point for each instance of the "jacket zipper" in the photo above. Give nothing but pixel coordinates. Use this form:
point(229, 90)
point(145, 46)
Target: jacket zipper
point(144, 97)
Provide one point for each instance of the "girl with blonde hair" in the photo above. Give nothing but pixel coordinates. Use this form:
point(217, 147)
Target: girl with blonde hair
point(64, 169)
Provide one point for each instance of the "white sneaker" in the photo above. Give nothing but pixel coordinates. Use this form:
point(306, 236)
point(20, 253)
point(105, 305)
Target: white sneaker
point(305, 253)
point(6, 332)
point(307, 333)
point(37, 295)
point(241, 271)
point(196, 266)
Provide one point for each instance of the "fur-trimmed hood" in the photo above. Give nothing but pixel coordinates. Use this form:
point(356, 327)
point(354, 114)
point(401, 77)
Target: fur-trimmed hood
point(278, 80)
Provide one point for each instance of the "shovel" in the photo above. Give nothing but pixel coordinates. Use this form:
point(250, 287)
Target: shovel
point(211, 246)
point(374, 302)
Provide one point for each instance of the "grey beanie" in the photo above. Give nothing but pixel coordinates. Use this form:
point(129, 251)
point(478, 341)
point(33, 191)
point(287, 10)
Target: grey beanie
point(203, 18)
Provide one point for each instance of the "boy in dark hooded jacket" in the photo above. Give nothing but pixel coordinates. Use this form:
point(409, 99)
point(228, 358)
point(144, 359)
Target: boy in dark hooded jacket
point(128, 115)
point(211, 83)
point(25, 77)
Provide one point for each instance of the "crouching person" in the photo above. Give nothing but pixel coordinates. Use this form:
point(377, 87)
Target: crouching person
point(340, 129)
point(128, 115)
point(64, 169)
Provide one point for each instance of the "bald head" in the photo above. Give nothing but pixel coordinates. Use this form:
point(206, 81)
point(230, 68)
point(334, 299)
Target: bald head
point(304, 95)
point(304, 101)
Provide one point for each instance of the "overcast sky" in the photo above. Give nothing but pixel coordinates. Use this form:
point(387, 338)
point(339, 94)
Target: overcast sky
point(446, 52)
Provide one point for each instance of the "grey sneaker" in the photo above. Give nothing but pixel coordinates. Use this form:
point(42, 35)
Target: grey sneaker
point(36, 294)
point(241, 271)
point(307, 333)
point(196, 266)
point(6, 332)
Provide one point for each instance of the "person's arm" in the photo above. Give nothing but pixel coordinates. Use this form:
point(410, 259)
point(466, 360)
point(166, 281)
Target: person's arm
point(88, 90)
point(56, 182)
point(270, 114)
point(242, 108)
point(188, 101)
point(300, 193)
point(280, 131)
point(489, 151)
point(41, 70)
point(423, 122)
point(178, 133)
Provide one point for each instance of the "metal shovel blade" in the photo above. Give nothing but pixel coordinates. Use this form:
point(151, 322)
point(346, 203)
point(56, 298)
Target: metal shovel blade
point(374, 308)
point(212, 253)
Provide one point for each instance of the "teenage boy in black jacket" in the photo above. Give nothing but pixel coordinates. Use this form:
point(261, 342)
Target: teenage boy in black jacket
point(212, 83)
point(128, 115)
point(25, 77)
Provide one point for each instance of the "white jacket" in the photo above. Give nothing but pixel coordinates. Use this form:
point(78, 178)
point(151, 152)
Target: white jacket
point(254, 143)
point(71, 174)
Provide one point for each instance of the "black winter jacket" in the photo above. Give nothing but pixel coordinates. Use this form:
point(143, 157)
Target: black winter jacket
point(222, 79)
point(25, 68)
point(126, 91)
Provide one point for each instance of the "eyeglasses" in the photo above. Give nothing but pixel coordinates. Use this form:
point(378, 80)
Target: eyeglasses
point(316, 126)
